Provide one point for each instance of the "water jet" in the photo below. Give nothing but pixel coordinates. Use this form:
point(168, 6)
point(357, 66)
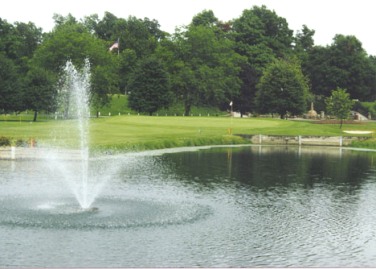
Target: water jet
point(74, 96)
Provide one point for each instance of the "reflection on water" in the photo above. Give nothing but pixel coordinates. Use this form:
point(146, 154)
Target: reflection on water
point(220, 207)
point(271, 167)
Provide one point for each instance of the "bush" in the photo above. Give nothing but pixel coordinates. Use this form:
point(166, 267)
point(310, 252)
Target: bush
point(21, 143)
point(4, 141)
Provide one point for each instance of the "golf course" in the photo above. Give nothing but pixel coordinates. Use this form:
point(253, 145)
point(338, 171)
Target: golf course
point(135, 133)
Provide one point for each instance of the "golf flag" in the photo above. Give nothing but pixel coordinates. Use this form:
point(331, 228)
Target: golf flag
point(115, 45)
point(230, 103)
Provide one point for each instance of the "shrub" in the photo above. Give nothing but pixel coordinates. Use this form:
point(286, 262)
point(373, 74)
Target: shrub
point(21, 143)
point(4, 141)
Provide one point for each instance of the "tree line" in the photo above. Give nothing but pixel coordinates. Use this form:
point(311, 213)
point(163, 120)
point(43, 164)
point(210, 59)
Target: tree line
point(254, 61)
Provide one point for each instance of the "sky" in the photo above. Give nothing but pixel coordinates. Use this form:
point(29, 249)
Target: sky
point(326, 17)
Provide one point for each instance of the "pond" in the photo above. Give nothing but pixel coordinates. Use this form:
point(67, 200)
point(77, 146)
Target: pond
point(246, 206)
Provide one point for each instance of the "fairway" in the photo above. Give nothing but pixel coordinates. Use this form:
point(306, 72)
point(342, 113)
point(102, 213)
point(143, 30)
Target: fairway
point(133, 133)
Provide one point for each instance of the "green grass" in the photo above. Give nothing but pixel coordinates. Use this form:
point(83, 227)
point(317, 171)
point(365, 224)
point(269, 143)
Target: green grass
point(132, 133)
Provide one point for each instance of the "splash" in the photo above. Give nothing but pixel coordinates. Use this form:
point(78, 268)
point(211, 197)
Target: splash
point(74, 96)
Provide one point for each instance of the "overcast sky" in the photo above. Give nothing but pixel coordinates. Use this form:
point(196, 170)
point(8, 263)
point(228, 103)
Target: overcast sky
point(326, 17)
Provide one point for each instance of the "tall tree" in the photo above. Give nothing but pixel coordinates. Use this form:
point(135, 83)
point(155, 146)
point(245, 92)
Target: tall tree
point(304, 39)
point(25, 39)
point(261, 36)
point(349, 56)
point(282, 89)
point(204, 67)
point(72, 41)
point(127, 64)
point(41, 94)
point(343, 64)
point(149, 88)
point(17, 45)
point(304, 44)
point(11, 94)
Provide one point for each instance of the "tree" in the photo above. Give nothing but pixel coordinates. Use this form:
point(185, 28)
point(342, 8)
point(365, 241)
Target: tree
point(343, 64)
point(304, 39)
point(21, 42)
point(371, 73)
point(149, 88)
point(107, 28)
point(304, 44)
point(203, 65)
point(141, 36)
point(205, 18)
point(72, 41)
point(17, 45)
point(339, 104)
point(137, 39)
point(11, 92)
point(282, 89)
point(40, 84)
point(104, 82)
point(127, 64)
point(261, 36)
point(348, 55)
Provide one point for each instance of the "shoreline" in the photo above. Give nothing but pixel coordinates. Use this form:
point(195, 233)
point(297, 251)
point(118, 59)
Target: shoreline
point(33, 153)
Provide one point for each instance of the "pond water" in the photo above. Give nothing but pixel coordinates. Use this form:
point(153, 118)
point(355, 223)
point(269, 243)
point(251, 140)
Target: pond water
point(216, 207)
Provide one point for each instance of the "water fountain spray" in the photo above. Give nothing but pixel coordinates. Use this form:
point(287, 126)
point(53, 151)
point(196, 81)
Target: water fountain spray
point(75, 93)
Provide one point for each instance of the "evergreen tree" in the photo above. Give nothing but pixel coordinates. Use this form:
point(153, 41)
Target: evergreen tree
point(149, 87)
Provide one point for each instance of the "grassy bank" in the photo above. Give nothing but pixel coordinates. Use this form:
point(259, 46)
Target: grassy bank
point(144, 132)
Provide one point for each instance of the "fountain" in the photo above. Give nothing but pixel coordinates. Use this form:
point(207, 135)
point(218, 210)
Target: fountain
point(67, 182)
point(74, 101)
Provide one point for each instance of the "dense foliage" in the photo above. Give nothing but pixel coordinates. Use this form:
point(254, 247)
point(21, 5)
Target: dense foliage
point(245, 61)
point(149, 88)
point(282, 89)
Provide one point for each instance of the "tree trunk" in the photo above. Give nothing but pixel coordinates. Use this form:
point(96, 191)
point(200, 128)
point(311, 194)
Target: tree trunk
point(187, 108)
point(35, 115)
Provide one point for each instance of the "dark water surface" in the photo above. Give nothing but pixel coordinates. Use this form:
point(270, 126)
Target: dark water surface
point(219, 207)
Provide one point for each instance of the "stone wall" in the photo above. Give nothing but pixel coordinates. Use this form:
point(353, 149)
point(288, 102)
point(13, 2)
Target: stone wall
point(22, 153)
point(303, 140)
